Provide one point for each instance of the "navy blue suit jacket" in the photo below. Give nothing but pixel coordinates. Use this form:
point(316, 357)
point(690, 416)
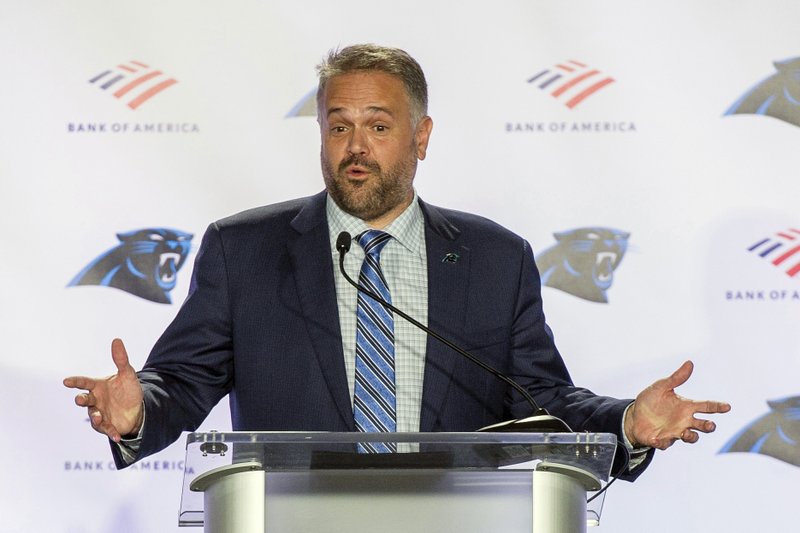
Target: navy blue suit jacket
point(261, 323)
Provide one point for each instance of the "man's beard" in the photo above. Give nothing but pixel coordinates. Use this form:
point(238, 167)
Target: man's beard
point(373, 198)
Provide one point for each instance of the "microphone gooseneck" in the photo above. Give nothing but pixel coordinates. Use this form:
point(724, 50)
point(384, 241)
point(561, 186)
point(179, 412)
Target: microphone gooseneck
point(541, 420)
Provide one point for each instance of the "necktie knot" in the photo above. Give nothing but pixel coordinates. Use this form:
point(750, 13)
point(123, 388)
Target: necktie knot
point(373, 241)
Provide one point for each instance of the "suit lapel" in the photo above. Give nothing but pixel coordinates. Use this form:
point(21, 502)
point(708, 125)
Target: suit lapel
point(448, 281)
point(310, 253)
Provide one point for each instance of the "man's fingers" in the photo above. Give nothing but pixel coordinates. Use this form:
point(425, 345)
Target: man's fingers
point(663, 443)
point(680, 376)
point(120, 356)
point(95, 417)
point(689, 436)
point(85, 400)
point(107, 399)
point(102, 426)
point(706, 426)
point(711, 407)
point(80, 382)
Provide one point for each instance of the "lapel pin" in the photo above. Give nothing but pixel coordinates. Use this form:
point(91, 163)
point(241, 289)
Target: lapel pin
point(450, 258)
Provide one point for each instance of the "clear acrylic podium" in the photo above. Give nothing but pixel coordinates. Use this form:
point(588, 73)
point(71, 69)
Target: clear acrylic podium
point(290, 482)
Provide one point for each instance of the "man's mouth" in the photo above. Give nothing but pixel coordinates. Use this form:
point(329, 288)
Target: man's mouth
point(357, 167)
point(356, 171)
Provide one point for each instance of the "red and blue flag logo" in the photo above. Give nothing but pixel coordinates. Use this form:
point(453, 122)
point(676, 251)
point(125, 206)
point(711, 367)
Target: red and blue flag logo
point(571, 82)
point(781, 249)
point(133, 82)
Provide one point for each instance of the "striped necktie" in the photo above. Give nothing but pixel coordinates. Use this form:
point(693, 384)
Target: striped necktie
point(374, 398)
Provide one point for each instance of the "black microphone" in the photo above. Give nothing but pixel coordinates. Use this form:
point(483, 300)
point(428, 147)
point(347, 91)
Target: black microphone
point(539, 421)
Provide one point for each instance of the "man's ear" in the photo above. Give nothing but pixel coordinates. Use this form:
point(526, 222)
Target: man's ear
point(422, 136)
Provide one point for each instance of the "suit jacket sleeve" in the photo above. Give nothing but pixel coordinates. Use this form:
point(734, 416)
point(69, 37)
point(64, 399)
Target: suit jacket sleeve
point(538, 366)
point(191, 366)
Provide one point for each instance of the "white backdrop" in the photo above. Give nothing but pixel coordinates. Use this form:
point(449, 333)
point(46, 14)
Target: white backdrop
point(694, 188)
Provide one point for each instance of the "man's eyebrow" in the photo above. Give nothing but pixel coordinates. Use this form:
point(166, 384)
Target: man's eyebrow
point(371, 109)
point(379, 109)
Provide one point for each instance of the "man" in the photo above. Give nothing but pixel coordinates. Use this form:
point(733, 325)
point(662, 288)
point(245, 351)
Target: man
point(270, 320)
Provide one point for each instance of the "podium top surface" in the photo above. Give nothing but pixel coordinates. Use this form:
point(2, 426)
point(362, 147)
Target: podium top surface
point(311, 452)
point(298, 451)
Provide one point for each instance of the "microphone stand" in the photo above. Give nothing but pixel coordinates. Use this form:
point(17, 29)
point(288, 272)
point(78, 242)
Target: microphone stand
point(539, 421)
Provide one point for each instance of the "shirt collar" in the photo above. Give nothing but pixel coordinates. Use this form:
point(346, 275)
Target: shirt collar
point(407, 229)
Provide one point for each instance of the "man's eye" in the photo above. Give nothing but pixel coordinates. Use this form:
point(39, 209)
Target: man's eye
point(381, 128)
point(338, 129)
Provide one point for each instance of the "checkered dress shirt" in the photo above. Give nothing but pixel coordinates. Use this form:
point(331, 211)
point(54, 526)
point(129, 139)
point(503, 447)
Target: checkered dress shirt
point(404, 264)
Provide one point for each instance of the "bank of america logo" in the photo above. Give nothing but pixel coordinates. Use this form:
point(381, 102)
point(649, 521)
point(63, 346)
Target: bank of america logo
point(133, 82)
point(571, 82)
point(781, 249)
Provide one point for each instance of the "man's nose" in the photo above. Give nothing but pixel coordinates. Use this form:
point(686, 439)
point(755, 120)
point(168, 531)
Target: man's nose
point(358, 142)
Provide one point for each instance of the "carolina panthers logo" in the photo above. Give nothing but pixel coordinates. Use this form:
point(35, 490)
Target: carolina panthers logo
point(777, 96)
point(776, 434)
point(583, 261)
point(306, 106)
point(145, 263)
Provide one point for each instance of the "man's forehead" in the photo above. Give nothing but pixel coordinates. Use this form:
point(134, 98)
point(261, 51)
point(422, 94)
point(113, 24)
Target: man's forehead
point(374, 90)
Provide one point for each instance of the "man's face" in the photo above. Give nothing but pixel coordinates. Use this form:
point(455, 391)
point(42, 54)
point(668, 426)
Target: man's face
point(369, 145)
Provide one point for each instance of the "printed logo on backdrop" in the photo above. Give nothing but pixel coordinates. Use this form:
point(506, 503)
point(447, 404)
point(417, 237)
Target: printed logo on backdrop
point(306, 106)
point(776, 433)
point(145, 263)
point(777, 96)
point(133, 84)
point(781, 252)
point(146, 465)
point(149, 465)
point(570, 82)
point(570, 85)
point(583, 261)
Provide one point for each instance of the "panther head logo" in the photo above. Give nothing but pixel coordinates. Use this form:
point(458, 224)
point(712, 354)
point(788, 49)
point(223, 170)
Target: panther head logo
point(306, 106)
point(583, 261)
point(145, 263)
point(777, 96)
point(776, 434)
